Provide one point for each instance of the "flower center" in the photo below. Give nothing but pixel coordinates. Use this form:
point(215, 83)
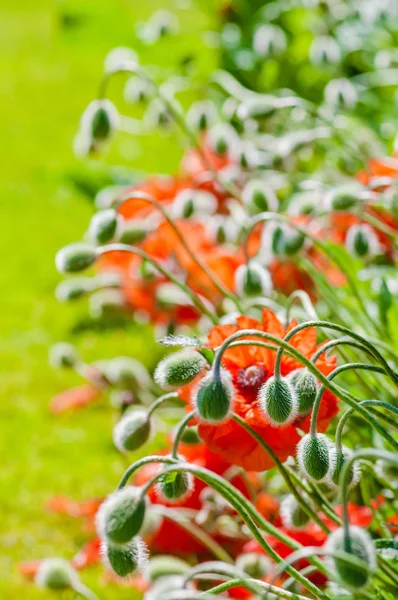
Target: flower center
point(251, 378)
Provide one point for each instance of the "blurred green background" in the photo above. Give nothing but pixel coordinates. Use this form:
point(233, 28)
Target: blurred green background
point(51, 59)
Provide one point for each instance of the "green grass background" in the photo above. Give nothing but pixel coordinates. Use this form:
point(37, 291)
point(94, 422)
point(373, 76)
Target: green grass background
point(51, 56)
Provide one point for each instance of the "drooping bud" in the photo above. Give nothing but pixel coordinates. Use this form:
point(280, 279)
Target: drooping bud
point(325, 50)
point(314, 457)
point(137, 90)
point(252, 280)
point(163, 23)
point(100, 120)
point(63, 355)
point(338, 460)
point(362, 242)
point(126, 559)
point(259, 197)
point(165, 565)
point(127, 373)
point(120, 59)
point(132, 431)
point(306, 387)
point(157, 114)
point(201, 115)
point(190, 436)
point(292, 515)
point(341, 93)
point(191, 202)
point(73, 289)
point(107, 303)
point(175, 486)
point(223, 139)
point(343, 197)
point(253, 564)
point(179, 368)
point(103, 226)
point(121, 515)
point(75, 257)
point(278, 401)
point(133, 231)
point(362, 547)
point(56, 574)
point(213, 397)
point(293, 241)
point(269, 40)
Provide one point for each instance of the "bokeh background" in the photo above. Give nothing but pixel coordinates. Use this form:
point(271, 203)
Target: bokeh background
point(51, 59)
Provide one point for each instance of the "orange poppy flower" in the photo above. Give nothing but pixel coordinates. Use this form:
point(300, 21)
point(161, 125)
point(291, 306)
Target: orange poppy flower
point(75, 398)
point(229, 439)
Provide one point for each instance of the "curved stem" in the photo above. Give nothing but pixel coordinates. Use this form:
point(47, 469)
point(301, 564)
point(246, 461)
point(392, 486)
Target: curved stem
point(159, 401)
point(255, 586)
point(140, 463)
point(305, 300)
point(180, 431)
point(84, 591)
point(144, 255)
point(338, 342)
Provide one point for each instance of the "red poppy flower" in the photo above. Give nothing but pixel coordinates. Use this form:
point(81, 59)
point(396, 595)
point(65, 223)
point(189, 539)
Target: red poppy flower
point(74, 398)
point(250, 367)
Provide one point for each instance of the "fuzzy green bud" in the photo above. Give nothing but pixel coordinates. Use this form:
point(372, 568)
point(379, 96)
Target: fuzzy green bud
point(362, 242)
point(132, 431)
point(293, 516)
point(254, 565)
point(179, 368)
point(125, 560)
point(56, 574)
point(314, 457)
point(120, 516)
point(258, 196)
point(339, 459)
point(306, 388)
point(99, 120)
point(175, 486)
point(73, 289)
point(103, 226)
point(278, 401)
point(63, 355)
point(213, 397)
point(201, 115)
point(127, 373)
point(252, 280)
point(75, 257)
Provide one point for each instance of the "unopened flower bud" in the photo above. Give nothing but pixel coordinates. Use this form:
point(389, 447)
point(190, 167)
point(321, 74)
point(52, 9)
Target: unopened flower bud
point(103, 226)
point(107, 303)
point(56, 574)
point(293, 242)
point(278, 401)
point(63, 355)
point(252, 280)
point(306, 387)
point(75, 257)
point(259, 197)
point(339, 459)
point(314, 457)
point(125, 559)
point(269, 40)
point(213, 397)
point(73, 289)
point(201, 115)
point(133, 231)
point(163, 23)
point(157, 114)
point(165, 565)
point(362, 242)
point(292, 515)
point(121, 515)
point(175, 486)
point(190, 436)
point(254, 565)
point(179, 368)
point(341, 93)
point(127, 373)
point(325, 50)
point(99, 120)
point(362, 547)
point(137, 90)
point(120, 59)
point(223, 139)
point(191, 202)
point(132, 431)
point(343, 197)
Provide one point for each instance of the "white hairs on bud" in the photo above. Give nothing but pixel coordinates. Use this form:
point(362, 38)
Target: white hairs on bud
point(137, 549)
point(110, 503)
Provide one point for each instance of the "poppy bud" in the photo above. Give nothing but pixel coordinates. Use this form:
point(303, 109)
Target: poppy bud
point(121, 515)
point(343, 197)
point(175, 486)
point(75, 257)
point(252, 280)
point(339, 459)
point(325, 50)
point(179, 368)
point(253, 564)
point(73, 289)
point(162, 23)
point(201, 115)
point(56, 574)
point(258, 196)
point(361, 546)
point(99, 120)
point(63, 355)
point(127, 373)
point(103, 226)
point(341, 93)
point(125, 560)
point(278, 401)
point(362, 242)
point(165, 565)
point(223, 139)
point(292, 242)
point(137, 90)
point(293, 516)
point(194, 202)
point(269, 40)
point(213, 397)
point(120, 59)
point(133, 232)
point(306, 387)
point(190, 436)
point(107, 303)
point(157, 114)
point(314, 457)
point(132, 431)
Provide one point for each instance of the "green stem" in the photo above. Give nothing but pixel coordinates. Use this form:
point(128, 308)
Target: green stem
point(255, 586)
point(180, 431)
point(161, 400)
point(140, 463)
